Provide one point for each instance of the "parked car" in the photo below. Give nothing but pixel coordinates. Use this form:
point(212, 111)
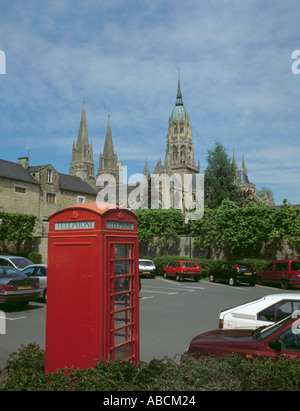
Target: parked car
point(283, 272)
point(263, 311)
point(182, 269)
point(16, 287)
point(280, 338)
point(38, 271)
point(234, 273)
point(147, 268)
point(14, 261)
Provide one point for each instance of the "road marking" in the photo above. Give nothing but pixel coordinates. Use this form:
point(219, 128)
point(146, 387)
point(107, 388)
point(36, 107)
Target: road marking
point(17, 318)
point(158, 292)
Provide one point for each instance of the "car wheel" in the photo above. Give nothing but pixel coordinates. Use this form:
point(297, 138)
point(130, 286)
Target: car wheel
point(178, 277)
point(165, 275)
point(231, 281)
point(284, 284)
point(45, 295)
point(259, 281)
point(212, 278)
point(196, 279)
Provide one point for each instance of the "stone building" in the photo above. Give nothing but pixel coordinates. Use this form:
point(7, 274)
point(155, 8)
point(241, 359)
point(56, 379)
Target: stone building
point(39, 190)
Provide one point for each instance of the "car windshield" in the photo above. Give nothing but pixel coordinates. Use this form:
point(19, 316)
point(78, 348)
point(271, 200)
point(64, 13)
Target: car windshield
point(10, 272)
point(263, 332)
point(189, 264)
point(146, 263)
point(20, 262)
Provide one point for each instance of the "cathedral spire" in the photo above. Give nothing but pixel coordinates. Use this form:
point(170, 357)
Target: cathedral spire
point(82, 163)
point(179, 101)
point(108, 151)
point(83, 139)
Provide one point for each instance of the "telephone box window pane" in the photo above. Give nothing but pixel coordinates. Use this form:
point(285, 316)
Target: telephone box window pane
point(121, 336)
point(122, 318)
point(121, 301)
point(121, 353)
point(122, 250)
point(122, 284)
point(122, 267)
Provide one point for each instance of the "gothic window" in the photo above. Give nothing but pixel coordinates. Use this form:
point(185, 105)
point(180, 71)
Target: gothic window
point(181, 129)
point(174, 153)
point(175, 129)
point(182, 154)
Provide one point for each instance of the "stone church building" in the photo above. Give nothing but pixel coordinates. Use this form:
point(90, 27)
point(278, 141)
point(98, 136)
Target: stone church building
point(41, 190)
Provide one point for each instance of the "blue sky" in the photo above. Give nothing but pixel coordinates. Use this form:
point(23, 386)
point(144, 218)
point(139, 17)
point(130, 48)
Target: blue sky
point(123, 57)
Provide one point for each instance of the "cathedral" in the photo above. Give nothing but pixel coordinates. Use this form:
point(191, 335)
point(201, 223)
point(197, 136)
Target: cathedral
point(179, 157)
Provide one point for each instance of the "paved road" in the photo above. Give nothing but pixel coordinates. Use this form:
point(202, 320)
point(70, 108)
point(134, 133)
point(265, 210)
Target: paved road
point(171, 314)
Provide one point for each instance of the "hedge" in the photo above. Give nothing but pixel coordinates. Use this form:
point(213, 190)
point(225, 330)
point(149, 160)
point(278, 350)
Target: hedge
point(26, 372)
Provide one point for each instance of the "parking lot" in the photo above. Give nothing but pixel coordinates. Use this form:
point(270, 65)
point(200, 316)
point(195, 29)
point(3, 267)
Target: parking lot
point(171, 314)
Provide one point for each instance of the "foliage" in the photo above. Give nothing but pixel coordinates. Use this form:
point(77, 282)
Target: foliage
point(244, 227)
point(230, 373)
point(35, 257)
point(16, 228)
point(160, 226)
point(220, 178)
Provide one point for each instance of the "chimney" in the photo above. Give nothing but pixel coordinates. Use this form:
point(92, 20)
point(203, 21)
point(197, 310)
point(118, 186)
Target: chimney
point(23, 161)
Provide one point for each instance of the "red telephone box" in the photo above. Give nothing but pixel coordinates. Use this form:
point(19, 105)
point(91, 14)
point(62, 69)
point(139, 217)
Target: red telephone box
point(92, 286)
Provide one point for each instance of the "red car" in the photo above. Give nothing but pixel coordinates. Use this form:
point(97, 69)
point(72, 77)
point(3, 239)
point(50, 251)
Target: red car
point(283, 272)
point(281, 338)
point(183, 269)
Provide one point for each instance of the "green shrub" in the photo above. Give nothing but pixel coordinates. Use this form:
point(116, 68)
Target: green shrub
point(231, 373)
point(35, 257)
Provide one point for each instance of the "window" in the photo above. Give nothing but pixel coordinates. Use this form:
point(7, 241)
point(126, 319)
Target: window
point(290, 339)
point(20, 190)
point(49, 175)
point(278, 311)
point(295, 266)
point(51, 198)
point(281, 266)
point(80, 199)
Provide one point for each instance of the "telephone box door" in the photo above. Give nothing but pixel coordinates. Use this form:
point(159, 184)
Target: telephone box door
point(123, 286)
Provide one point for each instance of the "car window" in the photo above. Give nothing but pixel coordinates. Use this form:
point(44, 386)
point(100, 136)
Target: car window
point(28, 271)
point(269, 267)
point(10, 272)
point(5, 262)
point(290, 339)
point(295, 266)
point(176, 264)
point(41, 271)
point(21, 262)
point(281, 266)
point(278, 311)
point(188, 264)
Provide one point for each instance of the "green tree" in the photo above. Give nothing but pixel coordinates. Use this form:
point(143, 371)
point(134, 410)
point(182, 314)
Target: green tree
point(160, 227)
point(16, 228)
point(239, 227)
point(220, 179)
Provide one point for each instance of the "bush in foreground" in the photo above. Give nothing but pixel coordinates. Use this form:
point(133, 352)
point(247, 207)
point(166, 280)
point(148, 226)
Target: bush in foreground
point(232, 373)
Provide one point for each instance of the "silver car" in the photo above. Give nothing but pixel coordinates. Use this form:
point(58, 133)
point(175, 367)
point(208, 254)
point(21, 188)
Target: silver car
point(14, 261)
point(38, 271)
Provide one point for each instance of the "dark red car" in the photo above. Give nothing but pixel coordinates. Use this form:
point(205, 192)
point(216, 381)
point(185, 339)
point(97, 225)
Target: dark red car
point(281, 338)
point(183, 269)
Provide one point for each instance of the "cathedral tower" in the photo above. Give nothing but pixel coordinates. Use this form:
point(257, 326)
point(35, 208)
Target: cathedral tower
point(179, 156)
point(82, 164)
